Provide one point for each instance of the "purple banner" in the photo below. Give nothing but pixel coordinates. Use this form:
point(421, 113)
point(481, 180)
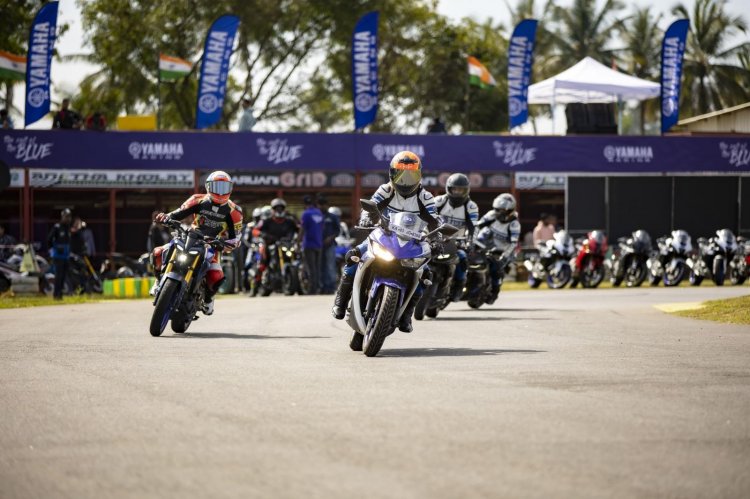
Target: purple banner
point(370, 152)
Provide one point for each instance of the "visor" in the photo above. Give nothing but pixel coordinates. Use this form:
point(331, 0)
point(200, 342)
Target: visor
point(458, 191)
point(405, 178)
point(220, 187)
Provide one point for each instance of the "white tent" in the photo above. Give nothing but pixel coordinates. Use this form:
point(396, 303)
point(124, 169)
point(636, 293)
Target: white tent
point(590, 81)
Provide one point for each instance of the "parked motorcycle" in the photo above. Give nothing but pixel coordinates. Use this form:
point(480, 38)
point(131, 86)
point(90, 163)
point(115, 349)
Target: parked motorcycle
point(180, 293)
point(437, 295)
point(588, 265)
point(388, 274)
point(739, 267)
point(714, 258)
point(629, 259)
point(669, 264)
point(82, 277)
point(552, 264)
point(284, 273)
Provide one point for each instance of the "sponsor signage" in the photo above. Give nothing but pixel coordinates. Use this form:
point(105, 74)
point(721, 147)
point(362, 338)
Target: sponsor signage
point(365, 70)
point(129, 179)
point(370, 153)
point(672, 52)
point(539, 181)
point(290, 179)
point(39, 63)
point(214, 70)
point(520, 61)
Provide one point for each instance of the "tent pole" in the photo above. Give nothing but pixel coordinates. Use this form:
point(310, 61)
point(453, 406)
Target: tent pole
point(554, 91)
point(619, 115)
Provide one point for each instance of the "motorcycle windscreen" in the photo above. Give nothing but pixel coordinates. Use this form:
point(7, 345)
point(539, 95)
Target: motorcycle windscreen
point(407, 225)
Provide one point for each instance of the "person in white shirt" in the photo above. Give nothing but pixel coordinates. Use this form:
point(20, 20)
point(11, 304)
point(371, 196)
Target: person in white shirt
point(455, 207)
point(247, 120)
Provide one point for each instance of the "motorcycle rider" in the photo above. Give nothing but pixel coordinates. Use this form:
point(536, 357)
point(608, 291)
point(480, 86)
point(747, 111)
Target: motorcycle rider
point(500, 230)
point(215, 215)
point(279, 225)
point(456, 208)
point(404, 193)
point(248, 241)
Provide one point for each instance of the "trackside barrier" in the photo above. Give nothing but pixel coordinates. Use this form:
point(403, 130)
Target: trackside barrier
point(128, 287)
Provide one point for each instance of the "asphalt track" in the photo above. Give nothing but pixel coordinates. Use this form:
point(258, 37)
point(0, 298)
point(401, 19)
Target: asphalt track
point(546, 394)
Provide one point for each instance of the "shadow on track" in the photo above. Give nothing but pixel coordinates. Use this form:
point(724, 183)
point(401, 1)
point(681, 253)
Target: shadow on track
point(242, 336)
point(449, 352)
point(499, 310)
point(472, 319)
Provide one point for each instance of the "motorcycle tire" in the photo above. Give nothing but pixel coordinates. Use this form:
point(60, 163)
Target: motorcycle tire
point(4, 284)
point(635, 282)
point(719, 271)
point(356, 342)
point(695, 279)
point(677, 279)
point(591, 280)
point(163, 308)
point(534, 282)
point(560, 283)
point(736, 276)
point(181, 322)
point(475, 303)
point(617, 275)
point(383, 321)
point(432, 313)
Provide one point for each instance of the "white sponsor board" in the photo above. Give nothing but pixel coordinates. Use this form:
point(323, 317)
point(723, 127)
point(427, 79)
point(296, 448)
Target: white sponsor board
point(540, 181)
point(134, 179)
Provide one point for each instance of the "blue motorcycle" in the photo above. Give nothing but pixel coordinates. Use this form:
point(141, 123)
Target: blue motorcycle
point(389, 272)
point(180, 292)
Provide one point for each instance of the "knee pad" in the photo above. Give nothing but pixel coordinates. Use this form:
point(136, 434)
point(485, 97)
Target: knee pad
point(214, 279)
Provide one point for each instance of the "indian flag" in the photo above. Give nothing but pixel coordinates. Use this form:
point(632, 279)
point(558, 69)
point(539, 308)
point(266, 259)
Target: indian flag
point(12, 67)
point(478, 74)
point(172, 68)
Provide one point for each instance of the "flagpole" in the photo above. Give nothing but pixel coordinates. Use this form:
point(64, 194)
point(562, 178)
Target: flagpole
point(467, 102)
point(158, 92)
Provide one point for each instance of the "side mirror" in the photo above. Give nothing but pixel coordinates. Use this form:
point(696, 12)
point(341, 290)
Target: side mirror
point(369, 206)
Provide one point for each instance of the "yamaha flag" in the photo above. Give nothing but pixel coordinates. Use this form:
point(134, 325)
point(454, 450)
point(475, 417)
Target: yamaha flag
point(214, 70)
point(365, 70)
point(39, 63)
point(672, 50)
point(520, 61)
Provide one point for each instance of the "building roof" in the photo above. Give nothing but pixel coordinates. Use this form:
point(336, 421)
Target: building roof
point(714, 114)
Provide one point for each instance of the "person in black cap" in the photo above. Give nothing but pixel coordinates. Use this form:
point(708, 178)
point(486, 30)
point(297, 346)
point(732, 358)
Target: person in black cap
point(58, 242)
point(331, 230)
point(312, 241)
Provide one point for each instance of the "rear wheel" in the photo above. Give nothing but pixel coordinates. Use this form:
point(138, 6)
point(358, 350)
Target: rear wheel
point(164, 306)
point(381, 324)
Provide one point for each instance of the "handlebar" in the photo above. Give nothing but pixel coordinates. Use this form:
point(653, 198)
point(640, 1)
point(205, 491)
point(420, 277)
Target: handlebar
point(214, 242)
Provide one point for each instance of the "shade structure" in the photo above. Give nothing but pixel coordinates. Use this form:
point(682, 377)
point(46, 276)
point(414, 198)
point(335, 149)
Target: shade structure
point(589, 82)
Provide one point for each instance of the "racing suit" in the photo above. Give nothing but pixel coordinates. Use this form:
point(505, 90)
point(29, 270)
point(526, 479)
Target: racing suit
point(273, 229)
point(502, 236)
point(464, 218)
point(214, 221)
point(389, 201)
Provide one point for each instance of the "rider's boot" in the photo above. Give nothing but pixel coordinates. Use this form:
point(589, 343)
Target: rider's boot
point(457, 290)
point(493, 294)
point(343, 293)
point(404, 324)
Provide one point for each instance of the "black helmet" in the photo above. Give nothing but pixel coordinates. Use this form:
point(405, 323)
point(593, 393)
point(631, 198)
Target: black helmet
point(457, 188)
point(405, 172)
point(504, 206)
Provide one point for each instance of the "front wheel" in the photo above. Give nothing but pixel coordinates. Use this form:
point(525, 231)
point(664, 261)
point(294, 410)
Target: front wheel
point(559, 279)
point(695, 279)
point(737, 273)
point(719, 270)
point(381, 324)
point(164, 306)
point(674, 272)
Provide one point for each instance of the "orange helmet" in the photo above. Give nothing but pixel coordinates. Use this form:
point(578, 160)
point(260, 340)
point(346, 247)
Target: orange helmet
point(219, 187)
point(405, 172)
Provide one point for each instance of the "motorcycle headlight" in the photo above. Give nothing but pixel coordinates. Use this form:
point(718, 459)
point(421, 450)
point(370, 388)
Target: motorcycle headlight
point(379, 251)
point(182, 258)
point(289, 254)
point(413, 263)
point(443, 257)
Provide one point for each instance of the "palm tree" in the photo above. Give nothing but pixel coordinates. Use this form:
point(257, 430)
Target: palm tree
point(582, 31)
point(641, 52)
point(713, 75)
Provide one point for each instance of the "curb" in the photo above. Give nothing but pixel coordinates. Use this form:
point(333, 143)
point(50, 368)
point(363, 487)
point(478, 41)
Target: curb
point(679, 307)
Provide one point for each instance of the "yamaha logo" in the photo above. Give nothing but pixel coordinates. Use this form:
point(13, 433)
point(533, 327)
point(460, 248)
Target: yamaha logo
point(208, 103)
point(628, 154)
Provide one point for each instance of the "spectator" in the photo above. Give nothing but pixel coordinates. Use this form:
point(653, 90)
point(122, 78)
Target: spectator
point(545, 228)
point(247, 120)
point(5, 122)
point(437, 126)
point(66, 118)
point(6, 244)
point(158, 235)
point(312, 241)
point(331, 230)
point(82, 239)
point(96, 122)
point(58, 242)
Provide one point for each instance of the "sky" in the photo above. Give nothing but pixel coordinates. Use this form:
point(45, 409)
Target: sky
point(66, 76)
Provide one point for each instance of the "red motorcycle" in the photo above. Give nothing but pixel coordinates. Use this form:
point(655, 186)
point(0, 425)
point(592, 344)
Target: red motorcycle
point(588, 265)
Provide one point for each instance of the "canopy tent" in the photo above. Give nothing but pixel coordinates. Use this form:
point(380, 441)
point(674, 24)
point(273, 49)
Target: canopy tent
point(589, 82)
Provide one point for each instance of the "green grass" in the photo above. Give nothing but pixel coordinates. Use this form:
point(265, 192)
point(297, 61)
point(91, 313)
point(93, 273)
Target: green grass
point(729, 311)
point(23, 301)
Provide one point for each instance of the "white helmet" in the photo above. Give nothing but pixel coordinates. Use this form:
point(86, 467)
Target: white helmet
point(504, 206)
